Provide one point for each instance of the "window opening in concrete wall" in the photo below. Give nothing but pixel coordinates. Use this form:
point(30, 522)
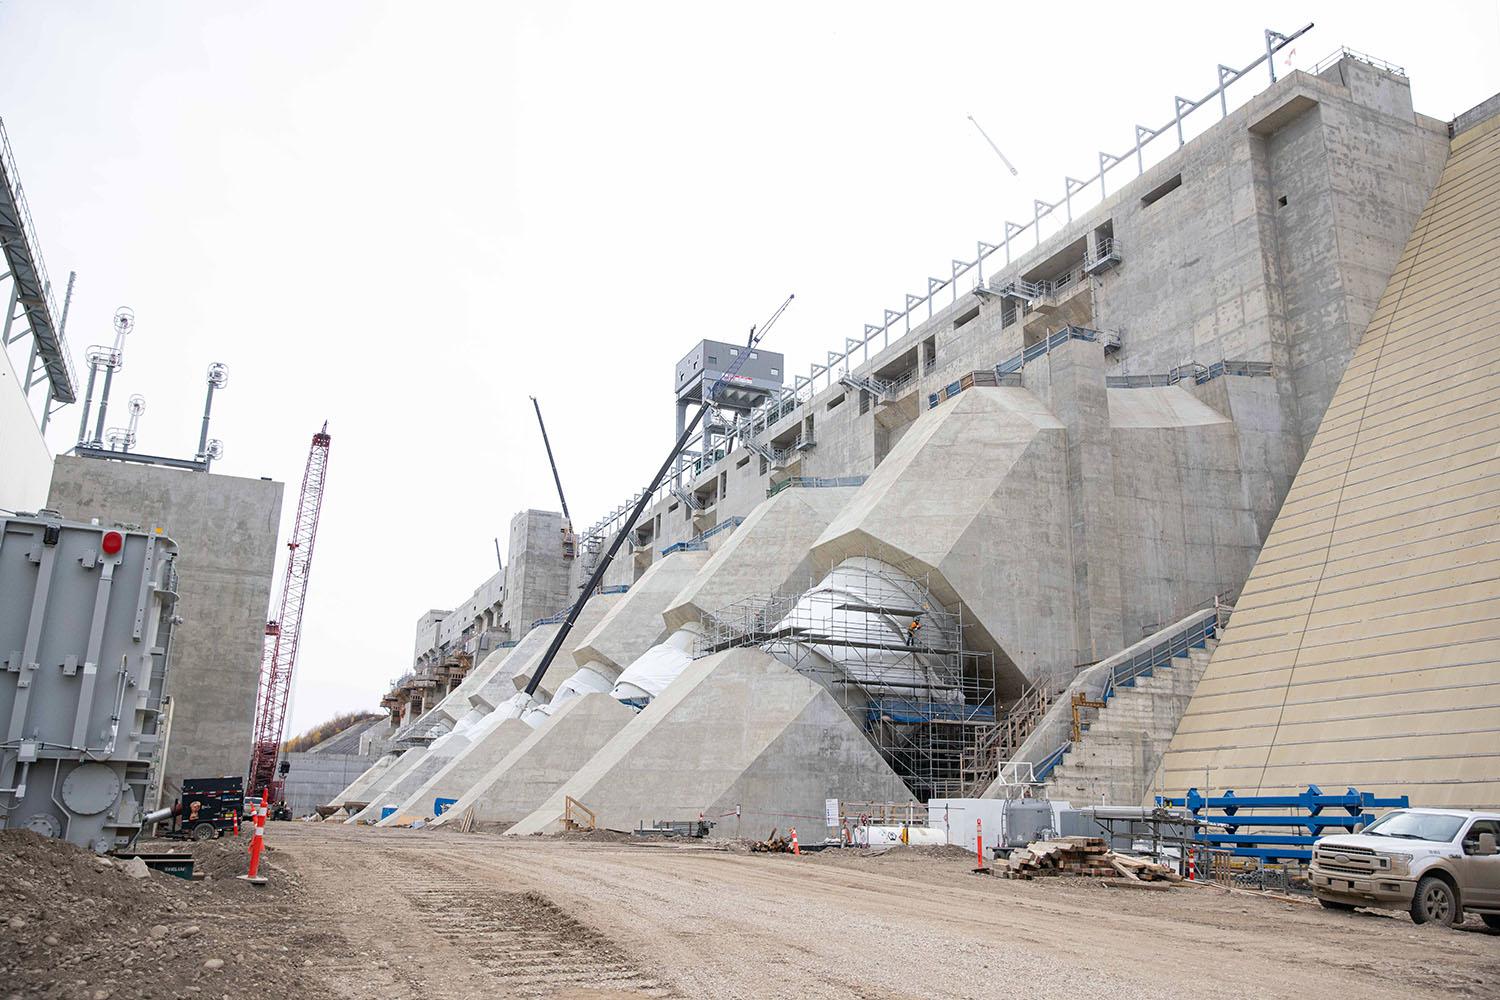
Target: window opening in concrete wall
point(807, 429)
point(929, 355)
point(775, 371)
point(1281, 201)
point(864, 401)
point(763, 467)
point(1162, 190)
point(742, 462)
point(835, 401)
point(723, 485)
point(967, 317)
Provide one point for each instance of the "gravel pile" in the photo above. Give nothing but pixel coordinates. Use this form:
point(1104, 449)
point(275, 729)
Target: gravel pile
point(79, 926)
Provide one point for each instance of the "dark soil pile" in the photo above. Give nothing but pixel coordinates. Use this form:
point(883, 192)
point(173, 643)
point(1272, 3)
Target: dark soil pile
point(78, 926)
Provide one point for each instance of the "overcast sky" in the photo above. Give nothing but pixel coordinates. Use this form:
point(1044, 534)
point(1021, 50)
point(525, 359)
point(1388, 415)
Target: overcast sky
point(407, 217)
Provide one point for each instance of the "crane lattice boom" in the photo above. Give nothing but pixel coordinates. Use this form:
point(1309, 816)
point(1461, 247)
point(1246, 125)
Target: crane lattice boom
point(283, 631)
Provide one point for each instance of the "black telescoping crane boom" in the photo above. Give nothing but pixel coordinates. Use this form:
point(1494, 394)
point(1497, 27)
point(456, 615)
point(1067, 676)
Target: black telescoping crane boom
point(552, 462)
point(756, 334)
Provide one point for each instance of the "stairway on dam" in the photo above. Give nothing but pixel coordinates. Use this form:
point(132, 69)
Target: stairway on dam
point(1114, 760)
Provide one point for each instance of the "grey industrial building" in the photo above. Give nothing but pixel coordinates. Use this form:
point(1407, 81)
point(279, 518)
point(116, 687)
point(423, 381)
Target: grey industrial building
point(225, 528)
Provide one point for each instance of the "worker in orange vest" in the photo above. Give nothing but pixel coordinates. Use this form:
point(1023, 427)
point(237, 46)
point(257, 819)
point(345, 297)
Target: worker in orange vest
point(911, 631)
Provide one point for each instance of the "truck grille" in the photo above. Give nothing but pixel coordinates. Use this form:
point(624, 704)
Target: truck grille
point(1350, 861)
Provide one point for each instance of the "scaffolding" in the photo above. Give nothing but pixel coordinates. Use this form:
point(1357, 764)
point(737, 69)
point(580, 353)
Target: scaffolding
point(925, 700)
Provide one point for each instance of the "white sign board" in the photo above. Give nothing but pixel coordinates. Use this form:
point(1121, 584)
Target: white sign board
point(831, 807)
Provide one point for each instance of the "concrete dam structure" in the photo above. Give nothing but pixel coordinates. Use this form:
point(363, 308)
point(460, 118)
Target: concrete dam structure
point(901, 576)
point(1365, 650)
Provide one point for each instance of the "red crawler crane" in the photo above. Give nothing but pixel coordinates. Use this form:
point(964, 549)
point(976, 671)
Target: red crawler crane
point(283, 631)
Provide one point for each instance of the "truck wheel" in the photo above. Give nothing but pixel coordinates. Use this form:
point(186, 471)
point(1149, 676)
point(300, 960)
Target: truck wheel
point(204, 831)
point(1491, 920)
point(1434, 901)
point(1333, 904)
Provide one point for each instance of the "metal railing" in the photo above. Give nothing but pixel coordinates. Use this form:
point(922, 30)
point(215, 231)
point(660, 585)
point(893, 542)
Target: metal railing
point(901, 384)
point(688, 498)
point(1197, 374)
point(1045, 347)
point(814, 482)
point(1144, 663)
point(28, 231)
point(1105, 254)
point(1043, 769)
point(1344, 52)
point(700, 540)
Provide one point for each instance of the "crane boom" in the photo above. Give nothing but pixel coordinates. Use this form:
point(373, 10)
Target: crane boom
point(552, 462)
point(1003, 158)
point(640, 505)
point(284, 631)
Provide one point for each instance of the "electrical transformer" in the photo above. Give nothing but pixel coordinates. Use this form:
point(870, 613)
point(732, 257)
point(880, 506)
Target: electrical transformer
point(86, 616)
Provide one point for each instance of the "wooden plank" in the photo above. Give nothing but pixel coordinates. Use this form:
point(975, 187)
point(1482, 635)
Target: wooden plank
point(1120, 883)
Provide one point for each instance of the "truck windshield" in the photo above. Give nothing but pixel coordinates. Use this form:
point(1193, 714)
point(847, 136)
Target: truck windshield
point(1416, 826)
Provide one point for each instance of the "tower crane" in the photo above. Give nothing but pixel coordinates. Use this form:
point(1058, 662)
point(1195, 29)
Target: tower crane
point(284, 631)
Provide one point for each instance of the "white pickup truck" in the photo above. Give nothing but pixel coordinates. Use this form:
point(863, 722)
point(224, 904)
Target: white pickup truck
point(1437, 864)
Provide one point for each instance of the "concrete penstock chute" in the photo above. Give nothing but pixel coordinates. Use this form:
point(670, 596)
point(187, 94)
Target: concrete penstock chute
point(739, 739)
point(86, 617)
point(429, 748)
point(455, 761)
point(767, 552)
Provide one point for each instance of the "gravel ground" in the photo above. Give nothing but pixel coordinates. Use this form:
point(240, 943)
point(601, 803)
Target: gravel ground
point(476, 915)
point(360, 912)
point(73, 925)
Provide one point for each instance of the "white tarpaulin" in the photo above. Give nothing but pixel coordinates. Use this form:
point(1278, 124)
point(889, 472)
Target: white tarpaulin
point(654, 669)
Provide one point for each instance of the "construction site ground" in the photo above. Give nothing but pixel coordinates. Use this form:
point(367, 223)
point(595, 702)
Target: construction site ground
point(360, 912)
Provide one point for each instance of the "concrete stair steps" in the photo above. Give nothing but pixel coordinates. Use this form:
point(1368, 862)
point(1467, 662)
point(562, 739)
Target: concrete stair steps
point(1139, 715)
point(1121, 745)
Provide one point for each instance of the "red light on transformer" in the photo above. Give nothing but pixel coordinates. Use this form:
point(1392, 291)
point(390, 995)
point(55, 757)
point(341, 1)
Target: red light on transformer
point(112, 543)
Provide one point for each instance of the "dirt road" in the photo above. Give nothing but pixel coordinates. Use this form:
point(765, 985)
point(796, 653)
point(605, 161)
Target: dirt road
point(400, 913)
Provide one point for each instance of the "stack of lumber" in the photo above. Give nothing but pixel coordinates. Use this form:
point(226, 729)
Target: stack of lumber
point(1088, 856)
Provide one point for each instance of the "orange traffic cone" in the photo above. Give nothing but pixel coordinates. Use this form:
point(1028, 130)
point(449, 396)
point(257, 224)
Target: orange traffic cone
point(796, 848)
point(979, 866)
point(257, 844)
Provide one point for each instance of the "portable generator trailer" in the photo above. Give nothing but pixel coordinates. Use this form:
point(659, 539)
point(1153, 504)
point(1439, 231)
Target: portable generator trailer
point(207, 808)
point(86, 617)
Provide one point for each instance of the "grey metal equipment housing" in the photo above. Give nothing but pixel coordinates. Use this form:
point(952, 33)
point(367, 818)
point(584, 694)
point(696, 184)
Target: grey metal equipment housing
point(85, 623)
